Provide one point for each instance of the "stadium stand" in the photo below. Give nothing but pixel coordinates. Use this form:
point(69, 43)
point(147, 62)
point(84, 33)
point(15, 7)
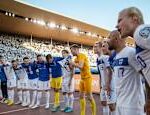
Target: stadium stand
point(17, 47)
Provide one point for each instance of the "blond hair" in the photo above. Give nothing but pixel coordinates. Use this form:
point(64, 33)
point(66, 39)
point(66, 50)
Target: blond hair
point(133, 11)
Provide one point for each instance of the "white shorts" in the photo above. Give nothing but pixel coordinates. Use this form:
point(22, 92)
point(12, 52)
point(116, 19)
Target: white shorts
point(33, 83)
point(65, 85)
point(109, 98)
point(22, 84)
point(129, 111)
point(43, 85)
point(11, 83)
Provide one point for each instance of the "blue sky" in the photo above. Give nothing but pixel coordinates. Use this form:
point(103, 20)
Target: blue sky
point(101, 13)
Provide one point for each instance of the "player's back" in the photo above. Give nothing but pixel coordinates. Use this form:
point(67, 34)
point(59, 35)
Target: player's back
point(85, 71)
point(129, 87)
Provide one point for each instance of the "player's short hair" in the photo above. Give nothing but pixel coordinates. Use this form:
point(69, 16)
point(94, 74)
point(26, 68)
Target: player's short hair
point(115, 34)
point(66, 51)
point(13, 61)
point(49, 56)
point(133, 11)
point(39, 55)
point(25, 58)
point(74, 46)
point(99, 43)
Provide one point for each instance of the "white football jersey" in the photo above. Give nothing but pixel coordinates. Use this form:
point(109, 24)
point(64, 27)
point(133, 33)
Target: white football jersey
point(9, 71)
point(65, 66)
point(21, 73)
point(142, 38)
point(129, 88)
point(102, 64)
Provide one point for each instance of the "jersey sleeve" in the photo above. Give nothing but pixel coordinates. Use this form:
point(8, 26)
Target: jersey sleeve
point(132, 60)
point(65, 61)
point(58, 59)
point(62, 62)
point(142, 36)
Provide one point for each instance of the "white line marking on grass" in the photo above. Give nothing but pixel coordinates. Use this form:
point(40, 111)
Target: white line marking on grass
point(17, 110)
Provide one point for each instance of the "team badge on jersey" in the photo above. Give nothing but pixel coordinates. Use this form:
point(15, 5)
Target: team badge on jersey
point(145, 32)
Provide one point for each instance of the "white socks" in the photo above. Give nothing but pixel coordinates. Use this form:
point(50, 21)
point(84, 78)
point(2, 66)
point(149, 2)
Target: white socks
point(28, 97)
point(20, 95)
point(47, 97)
point(66, 100)
point(34, 97)
point(105, 110)
point(24, 97)
point(11, 94)
point(39, 95)
point(113, 113)
point(71, 100)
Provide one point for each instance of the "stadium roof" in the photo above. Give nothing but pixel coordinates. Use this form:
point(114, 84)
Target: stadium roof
point(17, 17)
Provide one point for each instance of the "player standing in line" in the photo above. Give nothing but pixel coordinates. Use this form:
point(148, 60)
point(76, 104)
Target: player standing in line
point(129, 88)
point(107, 94)
point(67, 82)
point(56, 79)
point(131, 23)
point(43, 81)
point(32, 79)
point(85, 85)
point(11, 81)
point(22, 83)
point(3, 80)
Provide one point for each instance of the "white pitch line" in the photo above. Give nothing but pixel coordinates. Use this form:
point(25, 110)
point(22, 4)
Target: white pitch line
point(17, 110)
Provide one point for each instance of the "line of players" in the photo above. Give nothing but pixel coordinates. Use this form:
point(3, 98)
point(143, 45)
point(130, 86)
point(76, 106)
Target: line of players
point(118, 72)
point(128, 66)
point(34, 77)
point(122, 91)
point(37, 77)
